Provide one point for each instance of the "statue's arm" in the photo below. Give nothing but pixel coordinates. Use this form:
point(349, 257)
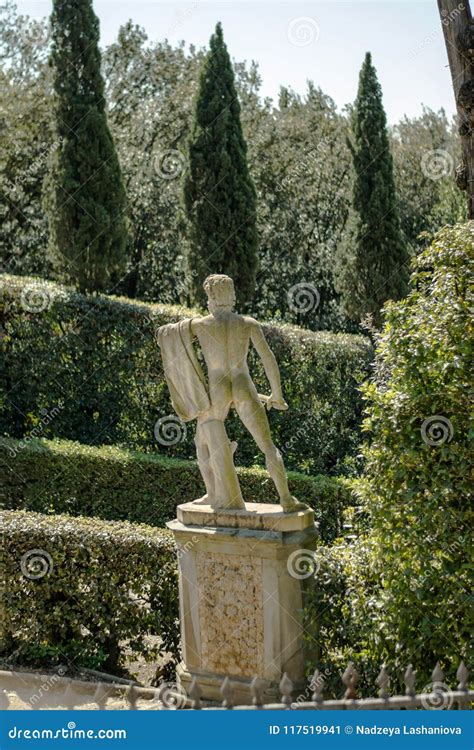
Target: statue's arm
point(270, 365)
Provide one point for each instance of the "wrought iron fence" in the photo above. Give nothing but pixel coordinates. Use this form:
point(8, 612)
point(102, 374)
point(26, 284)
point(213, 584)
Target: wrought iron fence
point(37, 691)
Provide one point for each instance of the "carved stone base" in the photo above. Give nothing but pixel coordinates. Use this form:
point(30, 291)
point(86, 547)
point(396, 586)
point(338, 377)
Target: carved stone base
point(241, 595)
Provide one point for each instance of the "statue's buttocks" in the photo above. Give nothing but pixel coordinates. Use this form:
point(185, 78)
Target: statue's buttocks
point(224, 340)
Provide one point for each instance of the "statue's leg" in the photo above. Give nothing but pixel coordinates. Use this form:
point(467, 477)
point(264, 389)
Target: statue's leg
point(254, 417)
point(203, 456)
point(227, 493)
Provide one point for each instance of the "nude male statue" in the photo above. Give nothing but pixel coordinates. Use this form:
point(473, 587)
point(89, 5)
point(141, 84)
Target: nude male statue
point(224, 338)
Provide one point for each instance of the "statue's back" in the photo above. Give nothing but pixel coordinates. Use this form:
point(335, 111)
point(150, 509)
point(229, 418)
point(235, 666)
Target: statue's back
point(224, 340)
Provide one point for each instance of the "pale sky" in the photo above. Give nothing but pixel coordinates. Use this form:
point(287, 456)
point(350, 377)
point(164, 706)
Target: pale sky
point(297, 41)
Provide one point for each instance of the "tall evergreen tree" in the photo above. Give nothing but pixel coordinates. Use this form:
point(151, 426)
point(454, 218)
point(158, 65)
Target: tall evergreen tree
point(84, 192)
point(219, 195)
point(375, 268)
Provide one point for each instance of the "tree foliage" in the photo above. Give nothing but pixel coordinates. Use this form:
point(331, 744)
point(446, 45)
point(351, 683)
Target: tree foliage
point(402, 592)
point(425, 150)
point(297, 155)
point(25, 95)
point(219, 195)
point(85, 196)
point(375, 267)
point(302, 171)
point(150, 90)
point(416, 484)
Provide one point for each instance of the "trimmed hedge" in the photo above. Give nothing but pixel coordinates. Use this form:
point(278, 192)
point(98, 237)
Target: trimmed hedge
point(54, 476)
point(92, 366)
point(85, 590)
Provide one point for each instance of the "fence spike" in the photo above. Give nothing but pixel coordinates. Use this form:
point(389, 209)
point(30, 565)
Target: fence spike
point(286, 689)
point(317, 685)
point(383, 681)
point(350, 679)
point(195, 694)
point(132, 696)
point(437, 674)
point(462, 674)
point(101, 696)
point(4, 700)
point(410, 681)
point(227, 693)
point(256, 688)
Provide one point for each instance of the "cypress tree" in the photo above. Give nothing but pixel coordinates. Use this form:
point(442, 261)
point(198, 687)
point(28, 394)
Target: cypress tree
point(375, 268)
point(219, 195)
point(84, 192)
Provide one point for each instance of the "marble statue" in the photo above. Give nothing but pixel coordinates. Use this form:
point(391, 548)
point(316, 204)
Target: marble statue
point(224, 338)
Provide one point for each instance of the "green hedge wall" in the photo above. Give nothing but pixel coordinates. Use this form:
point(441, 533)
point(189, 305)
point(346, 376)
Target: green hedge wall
point(54, 476)
point(88, 369)
point(85, 590)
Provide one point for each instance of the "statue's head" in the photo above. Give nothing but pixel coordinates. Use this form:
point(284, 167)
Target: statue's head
point(220, 292)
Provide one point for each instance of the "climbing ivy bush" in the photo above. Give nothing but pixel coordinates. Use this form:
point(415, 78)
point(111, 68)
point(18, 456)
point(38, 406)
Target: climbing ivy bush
point(400, 593)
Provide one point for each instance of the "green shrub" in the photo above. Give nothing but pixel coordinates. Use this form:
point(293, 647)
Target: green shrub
point(402, 593)
point(93, 364)
point(339, 612)
point(63, 477)
point(98, 589)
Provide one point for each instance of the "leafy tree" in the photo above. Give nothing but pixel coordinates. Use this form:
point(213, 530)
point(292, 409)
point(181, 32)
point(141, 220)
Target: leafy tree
point(25, 94)
point(297, 155)
point(301, 166)
point(150, 124)
point(85, 195)
point(374, 268)
point(425, 150)
point(219, 195)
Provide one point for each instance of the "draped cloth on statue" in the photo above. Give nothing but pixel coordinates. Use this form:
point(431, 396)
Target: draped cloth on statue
point(183, 373)
point(190, 399)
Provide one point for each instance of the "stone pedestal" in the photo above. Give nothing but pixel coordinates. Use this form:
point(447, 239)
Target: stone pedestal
point(241, 596)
